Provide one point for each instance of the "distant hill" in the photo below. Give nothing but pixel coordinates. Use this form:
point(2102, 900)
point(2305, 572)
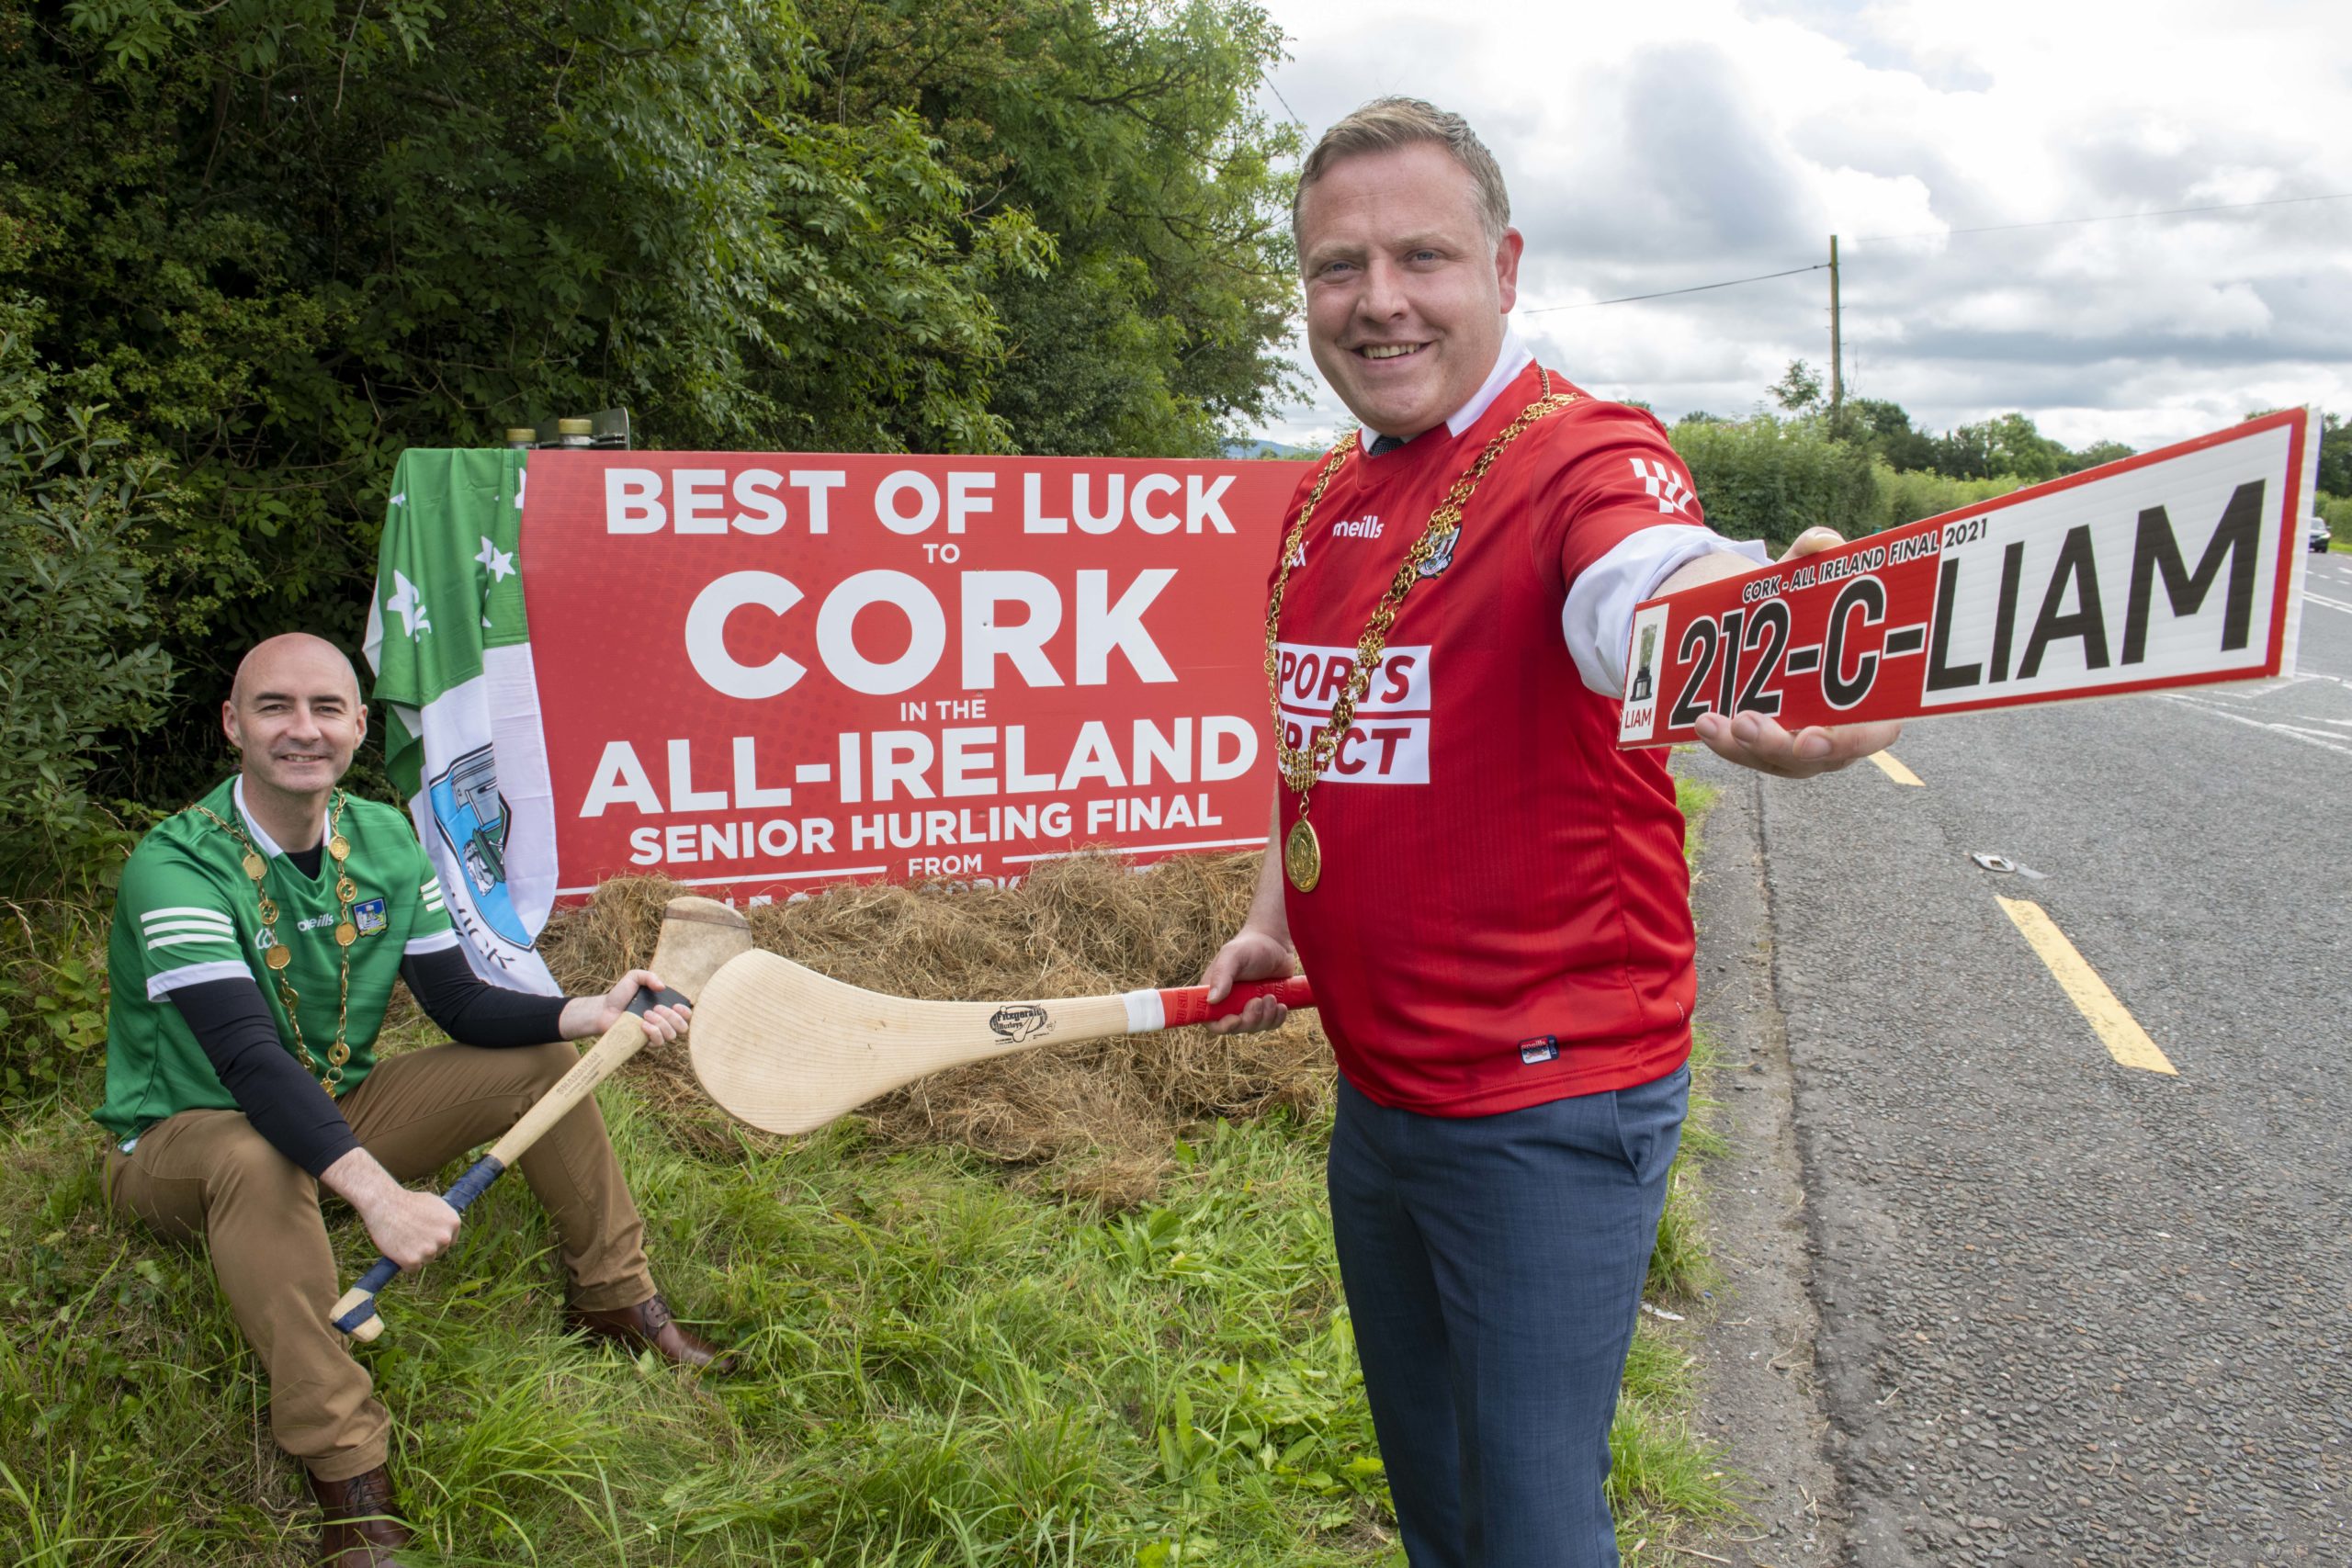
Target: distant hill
point(1262, 448)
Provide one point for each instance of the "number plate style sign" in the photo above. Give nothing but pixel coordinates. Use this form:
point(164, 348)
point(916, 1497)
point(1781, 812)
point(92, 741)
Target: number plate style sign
point(2180, 567)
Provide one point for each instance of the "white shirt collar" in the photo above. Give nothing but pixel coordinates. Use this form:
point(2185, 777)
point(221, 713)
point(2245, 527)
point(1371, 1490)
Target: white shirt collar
point(1513, 357)
point(262, 840)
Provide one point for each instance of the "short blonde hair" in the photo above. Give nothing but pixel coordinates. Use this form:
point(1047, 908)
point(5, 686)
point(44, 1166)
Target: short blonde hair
point(1386, 124)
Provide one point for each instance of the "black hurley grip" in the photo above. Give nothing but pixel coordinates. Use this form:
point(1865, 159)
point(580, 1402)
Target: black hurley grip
point(664, 997)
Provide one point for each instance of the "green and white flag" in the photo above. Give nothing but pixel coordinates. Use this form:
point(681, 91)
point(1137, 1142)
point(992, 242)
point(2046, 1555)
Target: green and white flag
point(458, 697)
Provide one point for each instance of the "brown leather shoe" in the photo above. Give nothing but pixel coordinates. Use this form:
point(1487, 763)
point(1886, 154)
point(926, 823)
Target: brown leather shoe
point(649, 1325)
point(363, 1529)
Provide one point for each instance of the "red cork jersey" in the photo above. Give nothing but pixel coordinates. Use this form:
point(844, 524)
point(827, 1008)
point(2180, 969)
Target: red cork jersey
point(1503, 917)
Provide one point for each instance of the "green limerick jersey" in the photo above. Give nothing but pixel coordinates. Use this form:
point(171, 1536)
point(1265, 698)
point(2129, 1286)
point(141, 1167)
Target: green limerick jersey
point(186, 913)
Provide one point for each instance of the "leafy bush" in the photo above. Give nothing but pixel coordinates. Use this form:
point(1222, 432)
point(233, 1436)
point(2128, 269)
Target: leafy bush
point(76, 660)
point(2335, 511)
point(1772, 479)
point(52, 999)
point(1907, 496)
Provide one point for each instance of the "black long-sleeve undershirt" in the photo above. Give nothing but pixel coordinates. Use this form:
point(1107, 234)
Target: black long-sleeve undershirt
point(473, 1011)
point(233, 1024)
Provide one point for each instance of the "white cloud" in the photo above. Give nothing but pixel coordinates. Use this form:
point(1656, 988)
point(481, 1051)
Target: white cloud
point(1657, 147)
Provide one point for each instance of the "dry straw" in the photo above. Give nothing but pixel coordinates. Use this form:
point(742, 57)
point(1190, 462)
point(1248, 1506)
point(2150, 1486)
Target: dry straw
point(1090, 1121)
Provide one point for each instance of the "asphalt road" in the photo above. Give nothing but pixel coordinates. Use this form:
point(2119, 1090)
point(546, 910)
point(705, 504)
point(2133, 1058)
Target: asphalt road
point(2073, 1312)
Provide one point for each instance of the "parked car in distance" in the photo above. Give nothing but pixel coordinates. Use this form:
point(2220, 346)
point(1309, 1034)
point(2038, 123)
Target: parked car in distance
point(2315, 532)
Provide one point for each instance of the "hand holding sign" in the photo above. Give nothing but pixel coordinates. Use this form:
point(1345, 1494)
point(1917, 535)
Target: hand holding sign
point(2176, 568)
point(1756, 740)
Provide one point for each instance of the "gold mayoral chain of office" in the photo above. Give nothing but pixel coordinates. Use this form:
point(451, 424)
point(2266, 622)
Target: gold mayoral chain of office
point(277, 954)
point(1302, 851)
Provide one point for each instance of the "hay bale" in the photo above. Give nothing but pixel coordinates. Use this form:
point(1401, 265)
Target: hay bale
point(1095, 1120)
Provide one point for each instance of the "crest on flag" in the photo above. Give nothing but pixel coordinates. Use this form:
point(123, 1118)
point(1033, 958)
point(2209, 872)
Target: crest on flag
point(472, 818)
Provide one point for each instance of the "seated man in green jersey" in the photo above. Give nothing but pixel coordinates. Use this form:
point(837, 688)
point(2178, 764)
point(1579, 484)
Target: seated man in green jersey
point(255, 941)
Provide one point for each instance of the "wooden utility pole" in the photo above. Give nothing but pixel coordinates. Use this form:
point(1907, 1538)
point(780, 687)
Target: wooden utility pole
point(1836, 345)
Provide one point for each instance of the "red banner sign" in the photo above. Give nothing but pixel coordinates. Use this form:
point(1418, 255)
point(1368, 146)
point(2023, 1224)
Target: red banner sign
point(2178, 567)
point(769, 672)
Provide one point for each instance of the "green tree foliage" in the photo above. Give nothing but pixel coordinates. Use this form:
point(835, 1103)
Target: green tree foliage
point(1772, 479)
point(280, 240)
point(1798, 390)
point(1885, 428)
point(2008, 446)
point(2335, 455)
point(1126, 131)
point(77, 658)
point(2009, 443)
point(2098, 452)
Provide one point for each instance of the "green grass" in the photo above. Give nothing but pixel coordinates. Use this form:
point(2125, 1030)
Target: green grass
point(944, 1369)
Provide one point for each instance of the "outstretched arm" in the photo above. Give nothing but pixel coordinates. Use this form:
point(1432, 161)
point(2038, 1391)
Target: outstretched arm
point(1754, 740)
point(473, 1011)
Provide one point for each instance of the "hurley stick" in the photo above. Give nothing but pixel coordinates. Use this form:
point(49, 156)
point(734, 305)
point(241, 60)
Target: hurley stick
point(698, 935)
point(786, 1049)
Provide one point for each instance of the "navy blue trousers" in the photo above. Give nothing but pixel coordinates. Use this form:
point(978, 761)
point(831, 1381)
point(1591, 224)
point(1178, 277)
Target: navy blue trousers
point(1493, 1267)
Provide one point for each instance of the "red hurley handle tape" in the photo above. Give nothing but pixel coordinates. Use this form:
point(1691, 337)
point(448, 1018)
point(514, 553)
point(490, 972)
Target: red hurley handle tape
point(1190, 1004)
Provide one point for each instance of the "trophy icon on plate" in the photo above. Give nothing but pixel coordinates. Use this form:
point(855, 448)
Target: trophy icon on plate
point(1641, 692)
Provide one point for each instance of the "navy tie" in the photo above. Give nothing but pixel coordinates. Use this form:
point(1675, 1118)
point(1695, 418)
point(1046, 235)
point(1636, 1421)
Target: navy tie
point(1386, 444)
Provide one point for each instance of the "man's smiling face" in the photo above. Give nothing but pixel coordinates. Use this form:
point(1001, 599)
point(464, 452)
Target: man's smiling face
point(295, 715)
point(1405, 292)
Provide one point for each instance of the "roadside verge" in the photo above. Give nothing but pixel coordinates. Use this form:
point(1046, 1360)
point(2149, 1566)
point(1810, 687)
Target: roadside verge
point(1757, 1397)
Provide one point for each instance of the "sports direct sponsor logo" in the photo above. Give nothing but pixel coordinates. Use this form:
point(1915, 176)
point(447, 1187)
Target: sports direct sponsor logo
point(1388, 740)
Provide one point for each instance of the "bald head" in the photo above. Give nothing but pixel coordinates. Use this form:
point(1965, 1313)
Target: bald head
point(296, 657)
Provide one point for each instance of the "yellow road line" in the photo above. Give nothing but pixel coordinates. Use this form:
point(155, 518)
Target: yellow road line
point(1894, 769)
point(2117, 1029)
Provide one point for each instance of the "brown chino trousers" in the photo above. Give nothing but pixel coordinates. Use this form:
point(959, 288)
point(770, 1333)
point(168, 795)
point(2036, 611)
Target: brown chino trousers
point(207, 1174)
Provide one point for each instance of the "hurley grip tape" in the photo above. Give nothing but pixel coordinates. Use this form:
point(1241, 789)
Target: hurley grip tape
point(474, 1183)
point(664, 997)
point(383, 1271)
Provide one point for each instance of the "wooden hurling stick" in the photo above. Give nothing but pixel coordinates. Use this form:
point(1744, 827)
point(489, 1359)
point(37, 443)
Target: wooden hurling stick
point(787, 1050)
point(698, 935)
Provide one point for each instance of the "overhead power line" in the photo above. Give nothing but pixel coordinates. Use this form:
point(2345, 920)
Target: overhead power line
point(1941, 233)
point(1277, 92)
point(1663, 293)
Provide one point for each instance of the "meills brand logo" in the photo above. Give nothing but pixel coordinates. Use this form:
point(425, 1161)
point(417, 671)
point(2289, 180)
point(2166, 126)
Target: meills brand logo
point(1357, 528)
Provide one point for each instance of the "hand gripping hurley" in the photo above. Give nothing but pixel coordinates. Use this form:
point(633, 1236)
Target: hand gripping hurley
point(698, 935)
point(787, 1050)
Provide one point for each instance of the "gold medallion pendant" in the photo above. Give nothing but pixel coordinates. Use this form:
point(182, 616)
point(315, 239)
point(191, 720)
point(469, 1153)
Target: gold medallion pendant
point(1302, 857)
point(279, 956)
point(345, 934)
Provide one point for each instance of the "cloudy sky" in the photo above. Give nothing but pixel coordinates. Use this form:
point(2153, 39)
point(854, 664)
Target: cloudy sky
point(1659, 145)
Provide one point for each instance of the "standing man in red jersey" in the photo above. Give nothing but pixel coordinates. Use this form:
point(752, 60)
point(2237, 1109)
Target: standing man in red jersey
point(1490, 896)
